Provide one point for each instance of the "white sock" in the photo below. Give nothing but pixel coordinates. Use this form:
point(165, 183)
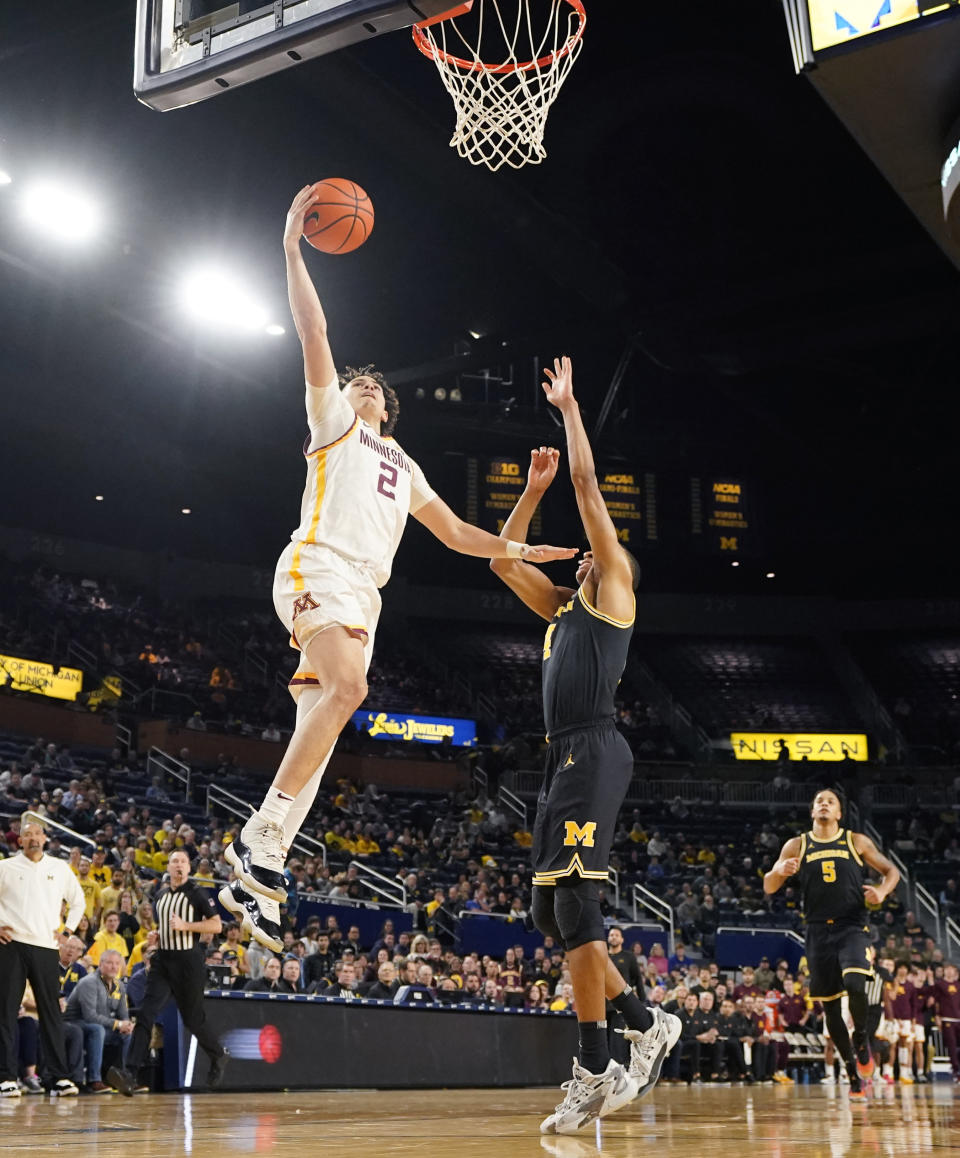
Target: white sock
point(904, 1055)
point(299, 810)
point(276, 805)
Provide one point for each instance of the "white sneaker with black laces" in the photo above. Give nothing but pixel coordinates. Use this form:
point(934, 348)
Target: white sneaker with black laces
point(9, 1090)
point(259, 915)
point(63, 1089)
point(648, 1050)
point(257, 858)
point(588, 1097)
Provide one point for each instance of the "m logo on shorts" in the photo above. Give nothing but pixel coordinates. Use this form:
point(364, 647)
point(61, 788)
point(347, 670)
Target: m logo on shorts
point(304, 602)
point(579, 834)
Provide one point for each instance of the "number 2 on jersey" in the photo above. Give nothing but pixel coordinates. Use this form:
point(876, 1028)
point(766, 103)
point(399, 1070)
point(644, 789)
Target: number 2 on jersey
point(388, 478)
point(829, 868)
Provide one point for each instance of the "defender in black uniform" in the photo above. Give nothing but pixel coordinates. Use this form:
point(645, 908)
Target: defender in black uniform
point(588, 770)
point(831, 863)
point(184, 912)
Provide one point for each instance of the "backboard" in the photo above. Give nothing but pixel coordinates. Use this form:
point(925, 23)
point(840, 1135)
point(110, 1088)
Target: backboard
point(189, 50)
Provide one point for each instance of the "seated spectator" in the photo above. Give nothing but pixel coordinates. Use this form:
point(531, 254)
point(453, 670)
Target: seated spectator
point(231, 944)
point(99, 1004)
point(658, 959)
point(730, 1030)
point(535, 998)
point(137, 981)
point(386, 985)
point(564, 998)
point(108, 938)
point(319, 966)
point(270, 981)
point(290, 975)
point(28, 1043)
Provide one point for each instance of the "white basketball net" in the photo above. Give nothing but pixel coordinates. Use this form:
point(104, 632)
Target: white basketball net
point(502, 104)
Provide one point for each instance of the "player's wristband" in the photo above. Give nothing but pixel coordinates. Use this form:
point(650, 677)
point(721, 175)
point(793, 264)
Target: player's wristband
point(515, 550)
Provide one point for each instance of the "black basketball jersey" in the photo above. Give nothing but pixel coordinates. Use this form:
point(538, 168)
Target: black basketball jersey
point(584, 654)
point(831, 879)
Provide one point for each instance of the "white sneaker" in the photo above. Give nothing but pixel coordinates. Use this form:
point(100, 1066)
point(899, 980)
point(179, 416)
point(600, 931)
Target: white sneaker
point(844, 1077)
point(259, 915)
point(648, 1050)
point(9, 1090)
point(63, 1089)
point(257, 858)
point(588, 1097)
point(828, 1080)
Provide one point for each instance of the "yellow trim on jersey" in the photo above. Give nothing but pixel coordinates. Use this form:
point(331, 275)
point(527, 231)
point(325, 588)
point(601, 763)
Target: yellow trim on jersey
point(832, 997)
point(803, 847)
point(336, 441)
point(295, 573)
point(321, 491)
point(575, 866)
point(856, 856)
point(852, 969)
point(607, 618)
point(826, 839)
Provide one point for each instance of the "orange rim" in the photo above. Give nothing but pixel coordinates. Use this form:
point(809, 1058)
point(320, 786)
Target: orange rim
point(434, 52)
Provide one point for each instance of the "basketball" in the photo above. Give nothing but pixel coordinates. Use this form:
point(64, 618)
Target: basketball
point(342, 219)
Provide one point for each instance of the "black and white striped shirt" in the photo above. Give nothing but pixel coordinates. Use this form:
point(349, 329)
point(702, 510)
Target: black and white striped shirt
point(192, 903)
point(875, 986)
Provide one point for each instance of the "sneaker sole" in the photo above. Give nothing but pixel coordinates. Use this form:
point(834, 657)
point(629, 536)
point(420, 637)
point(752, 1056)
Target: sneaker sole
point(232, 905)
point(673, 1031)
point(250, 882)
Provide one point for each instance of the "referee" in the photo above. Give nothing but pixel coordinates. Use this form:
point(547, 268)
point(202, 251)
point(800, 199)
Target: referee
point(184, 911)
point(33, 889)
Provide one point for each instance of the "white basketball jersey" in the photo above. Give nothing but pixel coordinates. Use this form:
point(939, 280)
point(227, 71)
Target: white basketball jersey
point(360, 485)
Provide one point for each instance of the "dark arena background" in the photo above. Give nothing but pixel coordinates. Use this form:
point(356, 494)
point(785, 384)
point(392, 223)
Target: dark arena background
point(743, 234)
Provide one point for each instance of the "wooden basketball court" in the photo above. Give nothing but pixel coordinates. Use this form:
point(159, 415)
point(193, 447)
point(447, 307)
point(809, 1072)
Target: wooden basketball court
point(810, 1121)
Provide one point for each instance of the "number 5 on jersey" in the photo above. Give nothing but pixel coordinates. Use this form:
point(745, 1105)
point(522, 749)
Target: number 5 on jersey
point(829, 868)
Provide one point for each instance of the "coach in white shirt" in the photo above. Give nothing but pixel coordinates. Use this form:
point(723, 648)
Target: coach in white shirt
point(33, 889)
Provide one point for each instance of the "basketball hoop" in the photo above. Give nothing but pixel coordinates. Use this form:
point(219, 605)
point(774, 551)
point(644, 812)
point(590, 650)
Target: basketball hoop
point(502, 107)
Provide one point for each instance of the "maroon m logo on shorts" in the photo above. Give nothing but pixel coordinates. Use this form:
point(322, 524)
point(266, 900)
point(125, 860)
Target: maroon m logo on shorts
point(304, 602)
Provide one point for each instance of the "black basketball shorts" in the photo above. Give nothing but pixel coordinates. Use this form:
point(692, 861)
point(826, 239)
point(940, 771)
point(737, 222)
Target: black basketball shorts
point(588, 771)
point(832, 952)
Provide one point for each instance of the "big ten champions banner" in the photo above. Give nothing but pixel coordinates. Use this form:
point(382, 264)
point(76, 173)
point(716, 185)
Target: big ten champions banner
point(631, 501)
point(493, 487)
point(721, 519)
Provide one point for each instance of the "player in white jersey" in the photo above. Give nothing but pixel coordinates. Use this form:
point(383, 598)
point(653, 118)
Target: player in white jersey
point(360, 488)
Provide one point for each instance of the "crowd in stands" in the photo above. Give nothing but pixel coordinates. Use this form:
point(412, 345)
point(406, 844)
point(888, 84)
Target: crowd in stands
point(454, 855)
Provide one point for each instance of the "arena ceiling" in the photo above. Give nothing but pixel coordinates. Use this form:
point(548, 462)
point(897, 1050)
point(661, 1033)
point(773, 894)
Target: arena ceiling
point(787, 318)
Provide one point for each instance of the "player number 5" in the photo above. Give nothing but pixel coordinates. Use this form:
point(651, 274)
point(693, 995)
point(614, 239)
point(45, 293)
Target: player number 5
point(829, 871)
point(388, 478)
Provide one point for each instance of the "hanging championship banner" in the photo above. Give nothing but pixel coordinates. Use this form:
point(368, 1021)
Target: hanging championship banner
point(493, 487)
point(720, 515)
point(631, 501)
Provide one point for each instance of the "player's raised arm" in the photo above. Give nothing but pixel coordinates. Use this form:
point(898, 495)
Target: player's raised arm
point(526, 581)
point(785, 867)
point(611, 564)
point(308, 315)
point(467, 539)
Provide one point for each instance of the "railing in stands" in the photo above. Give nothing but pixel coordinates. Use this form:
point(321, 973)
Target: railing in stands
point(124, 738)
point(479, 780)
point(236, 805)
point(613, 878)
point(48, 823)
point(396, 891)
point(512, 801)
point(162, 762)
point(925, 901)
point(254, 661)
point(952, 936)
point(644, 899)
point(86, 658)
